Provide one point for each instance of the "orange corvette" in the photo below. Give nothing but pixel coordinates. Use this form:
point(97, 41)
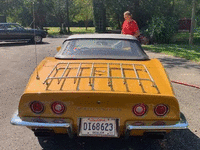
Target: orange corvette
point(99, 85)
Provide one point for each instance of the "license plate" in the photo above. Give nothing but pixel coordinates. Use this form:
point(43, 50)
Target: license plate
point(101, 127)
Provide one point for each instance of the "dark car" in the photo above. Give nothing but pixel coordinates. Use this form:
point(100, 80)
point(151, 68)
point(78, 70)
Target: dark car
point(15, 32)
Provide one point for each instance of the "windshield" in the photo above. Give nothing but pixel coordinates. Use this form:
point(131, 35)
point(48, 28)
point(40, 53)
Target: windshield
point(14, 27)
point(102, 49)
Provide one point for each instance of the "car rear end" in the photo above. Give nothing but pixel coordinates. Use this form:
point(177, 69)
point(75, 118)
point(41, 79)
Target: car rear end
point(92, 114)
point(99, 99)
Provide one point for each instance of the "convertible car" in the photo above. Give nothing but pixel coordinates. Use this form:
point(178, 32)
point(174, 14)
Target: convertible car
point(99, 85)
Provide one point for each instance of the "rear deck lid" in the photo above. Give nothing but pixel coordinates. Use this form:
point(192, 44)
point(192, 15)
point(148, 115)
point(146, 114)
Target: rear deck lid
point(99, 76)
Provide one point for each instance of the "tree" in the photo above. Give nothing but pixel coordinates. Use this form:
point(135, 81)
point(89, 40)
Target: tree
point(58, 9)
point(40, 12)
point(99, 12)
point(192, 22)
point(85, 11)
point(115, 10)
point(9, 8)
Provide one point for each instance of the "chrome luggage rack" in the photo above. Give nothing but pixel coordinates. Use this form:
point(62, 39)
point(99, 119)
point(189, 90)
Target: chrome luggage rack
point(80, 67)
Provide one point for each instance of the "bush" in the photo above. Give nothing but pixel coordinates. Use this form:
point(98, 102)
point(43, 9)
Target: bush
point(161, 29)
point(113, 23)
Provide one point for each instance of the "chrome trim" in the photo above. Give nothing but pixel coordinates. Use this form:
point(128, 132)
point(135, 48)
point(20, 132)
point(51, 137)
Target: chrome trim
point(62, 66)
point(182, 124)
point(16, 120)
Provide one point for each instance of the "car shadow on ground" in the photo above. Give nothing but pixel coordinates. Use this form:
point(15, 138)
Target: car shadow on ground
point(172, 61)
point(179, 62)
point(176, 140)
point(9, 44)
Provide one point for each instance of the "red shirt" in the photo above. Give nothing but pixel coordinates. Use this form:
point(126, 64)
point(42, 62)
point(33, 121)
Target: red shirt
point(129, 27)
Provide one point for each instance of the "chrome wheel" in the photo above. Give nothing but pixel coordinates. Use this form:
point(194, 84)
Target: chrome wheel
point(38, 39)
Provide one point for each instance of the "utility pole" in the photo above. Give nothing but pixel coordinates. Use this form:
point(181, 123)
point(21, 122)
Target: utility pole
point(192, 23)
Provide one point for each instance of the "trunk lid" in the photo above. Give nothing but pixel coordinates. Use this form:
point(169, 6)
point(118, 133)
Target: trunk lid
point(101, 76)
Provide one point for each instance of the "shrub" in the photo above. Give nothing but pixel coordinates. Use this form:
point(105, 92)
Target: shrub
point(161, 29)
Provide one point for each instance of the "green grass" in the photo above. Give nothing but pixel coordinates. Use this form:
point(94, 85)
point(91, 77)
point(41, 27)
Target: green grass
point(184, 51)
point(81, 30)
point(53, 30)
point(183, 38)
point(180, 46)
point(73, 30)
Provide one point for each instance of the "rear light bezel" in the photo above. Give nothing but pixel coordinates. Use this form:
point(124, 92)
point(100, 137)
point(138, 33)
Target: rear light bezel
point(163, 114)
point(55, 111)
point(37, 112)
point(143, 112)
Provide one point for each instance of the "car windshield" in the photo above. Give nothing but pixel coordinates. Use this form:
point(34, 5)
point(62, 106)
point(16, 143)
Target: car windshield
point(102, 49)
point(14, 27)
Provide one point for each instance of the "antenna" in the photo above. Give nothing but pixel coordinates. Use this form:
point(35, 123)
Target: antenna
point(37, 77)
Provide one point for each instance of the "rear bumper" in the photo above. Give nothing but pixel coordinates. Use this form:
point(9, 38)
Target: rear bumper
point(16, 120)
point(182, 124)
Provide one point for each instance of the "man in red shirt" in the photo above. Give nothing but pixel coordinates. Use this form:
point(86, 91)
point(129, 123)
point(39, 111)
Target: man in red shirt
point(130, 26)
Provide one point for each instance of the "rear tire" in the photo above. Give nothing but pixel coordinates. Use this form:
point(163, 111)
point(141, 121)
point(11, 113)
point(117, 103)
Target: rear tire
point(36, 39)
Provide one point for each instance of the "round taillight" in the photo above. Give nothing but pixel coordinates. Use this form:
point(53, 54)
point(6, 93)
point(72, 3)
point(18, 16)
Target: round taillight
point(139, 109)
point(58, 107)
point(37, 107)
point(161, 110)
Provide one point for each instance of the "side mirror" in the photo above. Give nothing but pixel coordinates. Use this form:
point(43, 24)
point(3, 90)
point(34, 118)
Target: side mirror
point(58, 48)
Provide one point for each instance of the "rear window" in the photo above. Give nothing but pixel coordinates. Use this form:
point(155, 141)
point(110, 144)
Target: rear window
point(102, 49)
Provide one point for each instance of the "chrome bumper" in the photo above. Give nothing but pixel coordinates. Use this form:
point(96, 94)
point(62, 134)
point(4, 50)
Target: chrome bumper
point(16, 120)
point(182, 124)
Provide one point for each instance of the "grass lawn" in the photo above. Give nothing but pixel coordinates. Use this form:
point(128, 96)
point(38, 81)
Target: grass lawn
point(180, 46)
point(81, 30)
point(74, 30)
point(184, 51)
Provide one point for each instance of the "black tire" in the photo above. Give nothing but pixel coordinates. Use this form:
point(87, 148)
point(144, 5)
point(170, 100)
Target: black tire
point(36, 39)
